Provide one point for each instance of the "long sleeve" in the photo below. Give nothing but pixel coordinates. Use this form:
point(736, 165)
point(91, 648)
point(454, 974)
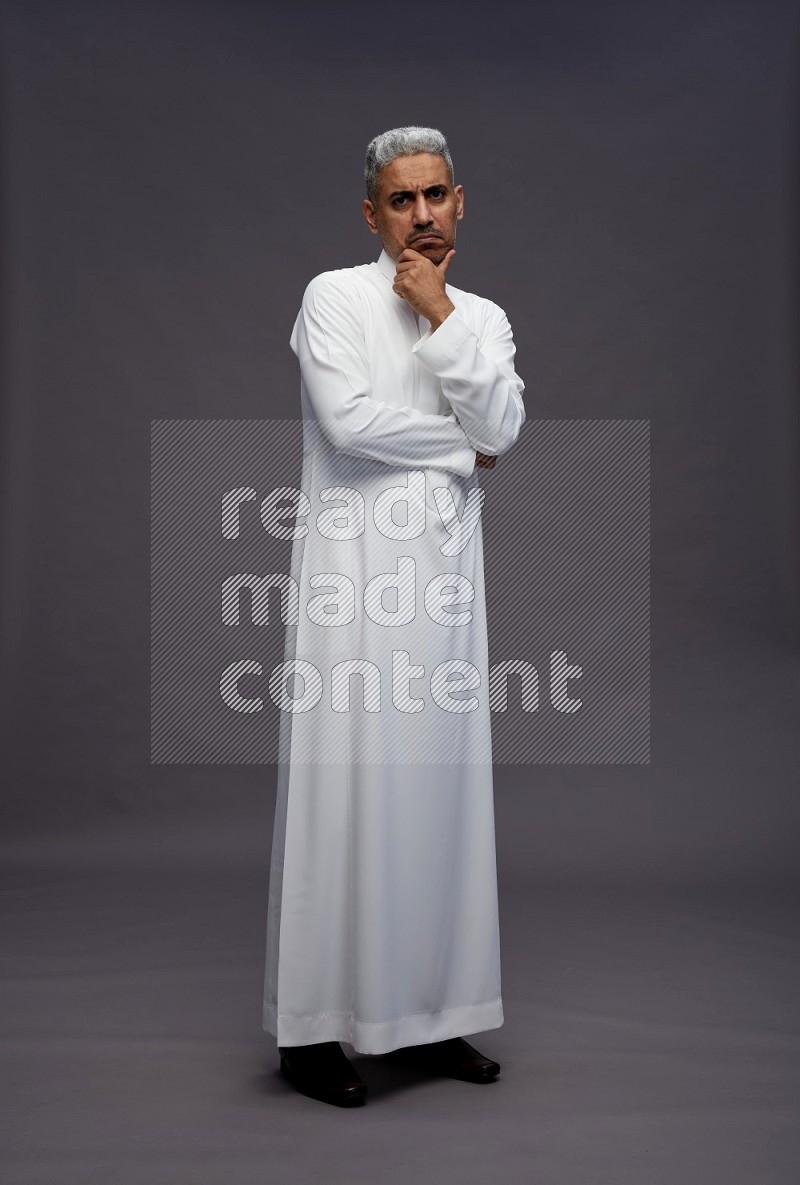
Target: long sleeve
point(478, 378)
point(328, 339)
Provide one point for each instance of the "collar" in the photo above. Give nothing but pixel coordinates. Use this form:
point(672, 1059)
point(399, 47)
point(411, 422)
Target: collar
point(387, 266)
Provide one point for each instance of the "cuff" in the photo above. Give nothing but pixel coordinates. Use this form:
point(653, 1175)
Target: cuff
point(462, 461)
point(437, 347)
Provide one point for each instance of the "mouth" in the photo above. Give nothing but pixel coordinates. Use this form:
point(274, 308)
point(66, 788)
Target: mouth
point(423, 239)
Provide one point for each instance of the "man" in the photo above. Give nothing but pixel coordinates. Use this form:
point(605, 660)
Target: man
point(382, 921)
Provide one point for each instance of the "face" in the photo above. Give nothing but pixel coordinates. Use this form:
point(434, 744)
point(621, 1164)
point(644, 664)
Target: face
point(417, 207)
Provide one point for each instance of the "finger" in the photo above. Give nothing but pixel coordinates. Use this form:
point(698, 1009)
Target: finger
point(444, 265)
point(408, 255)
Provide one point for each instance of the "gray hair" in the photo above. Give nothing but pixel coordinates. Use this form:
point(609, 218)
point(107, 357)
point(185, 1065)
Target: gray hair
point(402, 142)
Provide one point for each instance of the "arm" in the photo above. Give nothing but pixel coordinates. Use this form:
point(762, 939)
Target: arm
point(478, 378)
point(328, 339)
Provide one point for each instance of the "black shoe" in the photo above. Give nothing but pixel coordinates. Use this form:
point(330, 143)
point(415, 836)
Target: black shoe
point(323, 1072)
point(455, 1058)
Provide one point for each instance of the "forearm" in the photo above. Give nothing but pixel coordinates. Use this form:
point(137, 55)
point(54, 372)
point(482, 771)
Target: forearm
point(483, 394)
point(402, 436)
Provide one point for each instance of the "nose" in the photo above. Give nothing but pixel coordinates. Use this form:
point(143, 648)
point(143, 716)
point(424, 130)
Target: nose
point(422, 215)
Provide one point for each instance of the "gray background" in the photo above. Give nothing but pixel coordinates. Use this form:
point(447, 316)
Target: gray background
point(173, 175)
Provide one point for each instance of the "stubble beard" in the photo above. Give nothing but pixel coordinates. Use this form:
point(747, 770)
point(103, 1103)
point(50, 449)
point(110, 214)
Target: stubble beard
point(434, 254)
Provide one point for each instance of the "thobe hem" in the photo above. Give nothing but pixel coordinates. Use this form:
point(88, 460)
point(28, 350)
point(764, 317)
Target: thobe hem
point(383, 1036)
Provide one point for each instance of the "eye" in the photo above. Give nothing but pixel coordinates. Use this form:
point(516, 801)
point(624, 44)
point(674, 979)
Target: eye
point(398, 201)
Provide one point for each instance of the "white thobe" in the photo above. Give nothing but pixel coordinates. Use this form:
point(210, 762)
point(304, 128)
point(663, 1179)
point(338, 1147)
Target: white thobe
point(382, 921)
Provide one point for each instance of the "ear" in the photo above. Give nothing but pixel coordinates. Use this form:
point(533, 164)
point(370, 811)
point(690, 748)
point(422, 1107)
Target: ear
point(369, 214)
point(459, 192)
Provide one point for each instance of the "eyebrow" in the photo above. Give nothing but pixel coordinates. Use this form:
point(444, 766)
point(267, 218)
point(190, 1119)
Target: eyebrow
point(410, 192)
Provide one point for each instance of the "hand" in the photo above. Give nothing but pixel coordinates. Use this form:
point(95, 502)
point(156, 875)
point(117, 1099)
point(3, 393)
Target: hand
point(484, 462)
point(421, 282)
